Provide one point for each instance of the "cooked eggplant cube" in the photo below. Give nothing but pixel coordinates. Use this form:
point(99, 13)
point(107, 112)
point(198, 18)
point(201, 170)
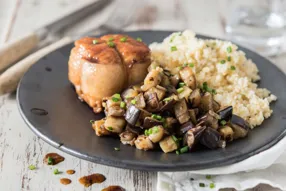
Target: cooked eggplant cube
point(188, 77)
point(132, 115)
point(175, 80)
point(114, 124)
point(127, 137)
point(139, 101)
point(156, 133)
point(168, 144)
point(98, 126)
point(193, 115)
point(143, 143)
point(151, 122)
point(192, 136)
point(184, 92)
point(181, 111)
point(225, 113)
point(185, 127)
point(209, 120)
point(226, 133)
point(195, 98)
point(152, 79)
point(206, 103)
point(239, 126)
point(211, 139)
point(159, 90)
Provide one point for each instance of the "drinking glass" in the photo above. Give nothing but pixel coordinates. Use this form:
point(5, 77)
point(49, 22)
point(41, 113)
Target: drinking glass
point(258, 24)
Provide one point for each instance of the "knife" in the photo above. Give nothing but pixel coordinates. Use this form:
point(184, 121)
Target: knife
point(18, 48)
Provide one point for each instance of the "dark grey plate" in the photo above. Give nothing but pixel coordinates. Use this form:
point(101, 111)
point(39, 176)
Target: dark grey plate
point(67, 127)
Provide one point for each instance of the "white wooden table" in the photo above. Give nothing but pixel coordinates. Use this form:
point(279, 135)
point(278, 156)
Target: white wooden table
point(19, 147)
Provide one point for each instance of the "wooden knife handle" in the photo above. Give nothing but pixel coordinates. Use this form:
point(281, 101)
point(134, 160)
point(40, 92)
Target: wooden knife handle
point(16, 49)
point(11, 77)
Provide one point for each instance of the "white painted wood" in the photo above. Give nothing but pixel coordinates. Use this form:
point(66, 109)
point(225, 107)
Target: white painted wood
point(19, 147)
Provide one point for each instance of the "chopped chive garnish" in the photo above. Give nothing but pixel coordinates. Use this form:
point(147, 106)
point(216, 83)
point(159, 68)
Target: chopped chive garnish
point(110, 44)
point(116, 148)
point(123, 39)
point(133, 101)
point(181, 84)
point(177, 152)
point(91, 121)
point(174, 138)
point(180, 67)
point(208, 177)
point(95, 41)
point(184, 149)
point(50, 161)
point(116, 97)
point(167, 99)
point(173, 48)
point(56, 171)
point(156, 129)
point(232, 68)
point(111, 39)
point(202, 185)
point(222, 61)
point(229, 49)
point(158, 117)
point(191, 65)
point(223, 122)
point(110, 128)
point(180, 90)
point(139, 39)
point(32, 167)
point(185, 64)
point(229, 58)
point(212, 185)
point(122, 104)
point(205, 88)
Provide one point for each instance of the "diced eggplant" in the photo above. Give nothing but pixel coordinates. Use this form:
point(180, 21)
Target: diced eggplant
point(150, 122)
point(181, 111)
point(98, 126)
point(127, 137)
point(239, 126)
point(185, 127)
point(226, 133)
point(171, 89)
point(195, 98)
point(153, 104)
point(156, 133)
point(188, 77)
point(132, 115)
point(207, 103)
point(185, 93)
point(152, 79)
point(211, 139)
point(168, 144)
point(159, 90)
point(143, 143)
point(225, 113)
point(193, 115)
point(216, 106)
point(129, 93)
point(170, 122)
point(168, 105)
point(114, 124)
point(165, 81)
point(175, 80)
point(112, 108)
point(134, 129)
point(139, 101)
point(192, 136)
point(209, 120)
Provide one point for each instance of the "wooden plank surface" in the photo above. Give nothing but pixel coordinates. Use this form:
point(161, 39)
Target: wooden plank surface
point(19, 147)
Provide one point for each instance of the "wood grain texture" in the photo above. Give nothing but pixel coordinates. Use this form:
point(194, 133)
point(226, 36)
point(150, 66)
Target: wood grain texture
point(19, 147)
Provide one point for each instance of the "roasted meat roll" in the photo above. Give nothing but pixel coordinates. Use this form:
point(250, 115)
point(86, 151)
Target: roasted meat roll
point(101, 67)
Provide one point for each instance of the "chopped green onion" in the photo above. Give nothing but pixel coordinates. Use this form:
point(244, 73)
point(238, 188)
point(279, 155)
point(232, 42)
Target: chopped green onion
point(212, 185)
point(110, 44)
point(181, 84)
point(180, 67)
point(156, 129)
point(56, 171)
point(123, 104)
point(123, 39)
point(180, 90)
point(110, 128)
point(158, 117)
point(185, 64)
point(32, 167)
point(177, 152)
point(229, 58)
point(133, 101)
point(229, 49)
point(91, 121)
point(167, 99)
point(50, 161)
point(191, 65)
point(180, 138)
point(95, 41)
point(232, 68)
point(111, 39)
point(174, 138)
point(222, 61)
point(173, 48)
point(184, 149)
point(139, 39)
point(116, 97)
point(208, 89)
point(208, 177)
point(116, 148)
point(213, 91)
point(223, 122)
point(202, 185)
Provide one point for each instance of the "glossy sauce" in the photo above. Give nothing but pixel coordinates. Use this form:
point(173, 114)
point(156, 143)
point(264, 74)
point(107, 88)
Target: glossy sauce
point(56, 158)
point(113, 188)
point(65, 181)
point(92, 179)
point(70, 171)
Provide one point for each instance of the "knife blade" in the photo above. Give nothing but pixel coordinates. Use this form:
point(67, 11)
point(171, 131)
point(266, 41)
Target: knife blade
point(18, 48)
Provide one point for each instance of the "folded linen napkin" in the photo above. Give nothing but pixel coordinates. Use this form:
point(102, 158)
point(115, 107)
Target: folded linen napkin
point(267, 167)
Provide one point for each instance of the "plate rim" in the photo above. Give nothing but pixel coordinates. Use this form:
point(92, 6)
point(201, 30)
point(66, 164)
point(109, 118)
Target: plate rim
point(139, 166)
